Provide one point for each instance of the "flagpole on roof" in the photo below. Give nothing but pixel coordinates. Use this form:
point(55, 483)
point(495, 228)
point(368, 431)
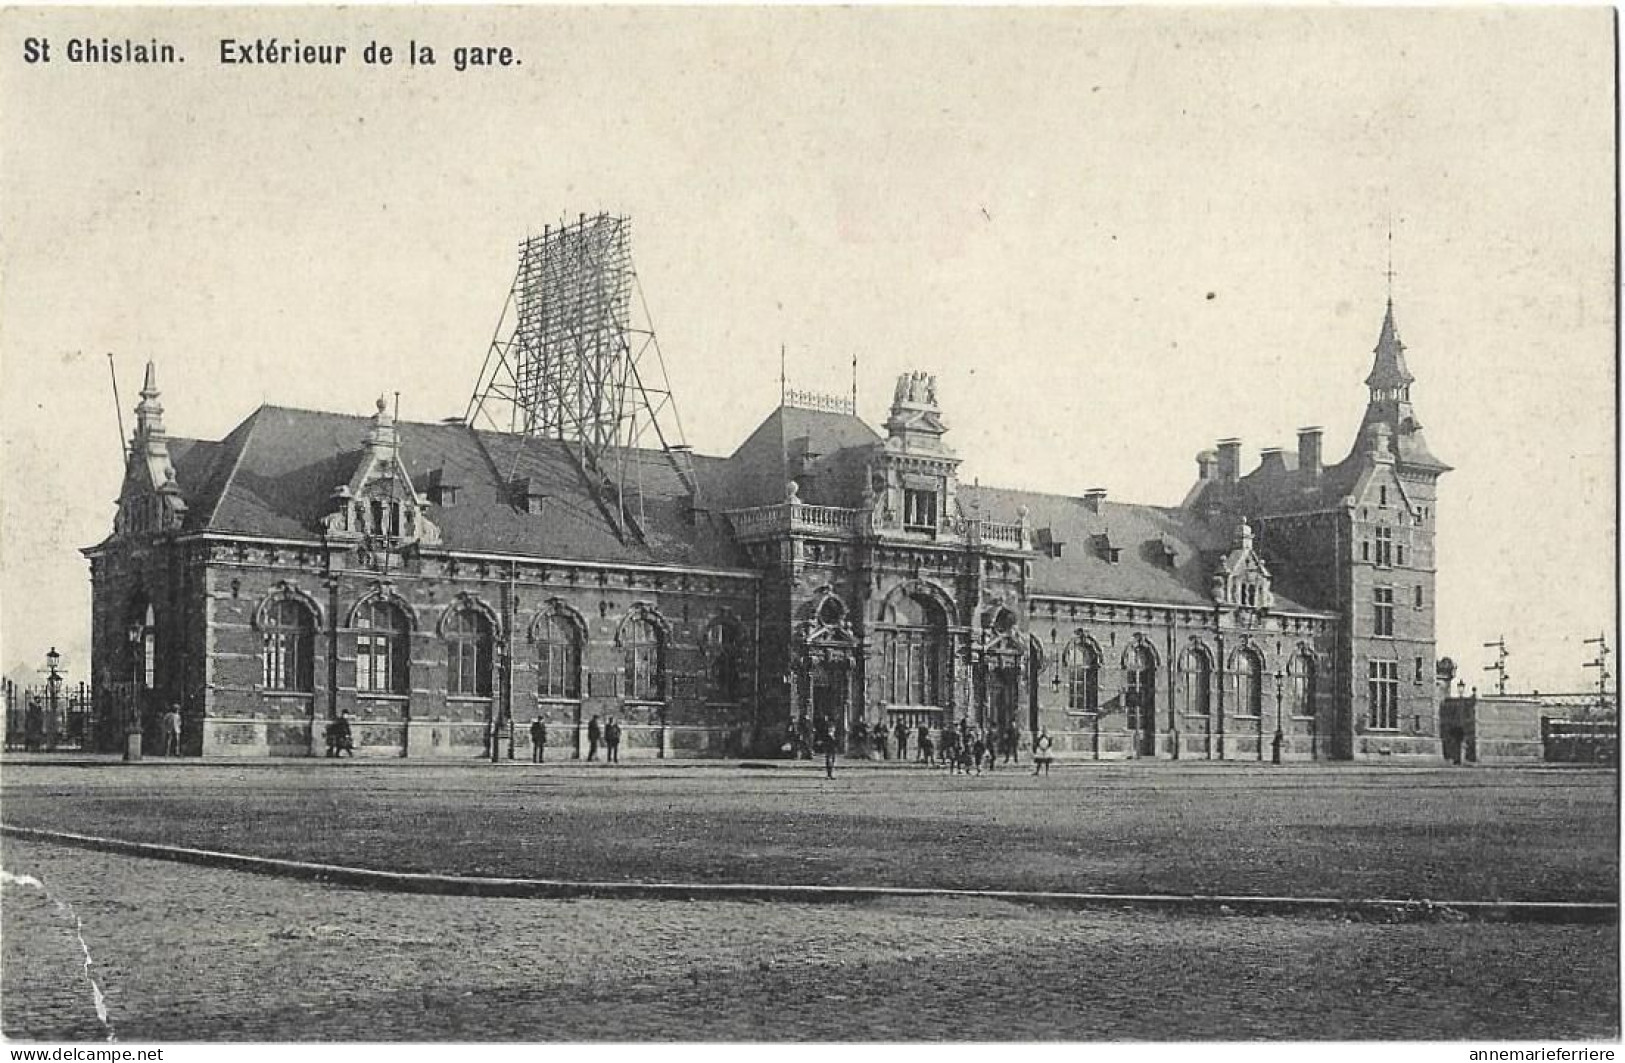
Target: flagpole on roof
point(118, 409)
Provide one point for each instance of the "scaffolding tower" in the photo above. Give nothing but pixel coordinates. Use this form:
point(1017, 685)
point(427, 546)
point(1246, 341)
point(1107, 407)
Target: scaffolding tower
point(575, 359)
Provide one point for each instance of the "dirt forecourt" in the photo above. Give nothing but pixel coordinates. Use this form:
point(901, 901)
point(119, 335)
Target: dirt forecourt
point(1521, 835)
point(191, 953)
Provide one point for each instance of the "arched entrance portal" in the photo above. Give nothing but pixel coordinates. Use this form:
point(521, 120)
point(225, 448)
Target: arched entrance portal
point(1001, 665)
point(829, 685)
point(1003, 694)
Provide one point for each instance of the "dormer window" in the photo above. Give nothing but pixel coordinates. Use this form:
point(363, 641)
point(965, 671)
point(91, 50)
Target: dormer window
point(1165, 552)
point(1242, 578)
point(919, 510)
point(527, 495)
point(440, 491)
point(379, 502)
point(1105, 550)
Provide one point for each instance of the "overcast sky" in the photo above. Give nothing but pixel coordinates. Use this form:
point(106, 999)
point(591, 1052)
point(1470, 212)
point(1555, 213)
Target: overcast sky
point(1114, 236)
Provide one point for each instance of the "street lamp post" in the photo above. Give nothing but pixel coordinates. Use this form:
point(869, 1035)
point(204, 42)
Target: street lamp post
point(53, 697)
point(1280, 737)
point(132, 711)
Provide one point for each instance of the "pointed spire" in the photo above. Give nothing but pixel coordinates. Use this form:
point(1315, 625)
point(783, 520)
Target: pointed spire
point(1389, 371)
point(149, 412)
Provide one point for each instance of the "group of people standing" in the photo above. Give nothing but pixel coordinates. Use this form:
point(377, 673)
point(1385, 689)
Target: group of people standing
point(606, 734)
point(965, 748)
point(961, 748)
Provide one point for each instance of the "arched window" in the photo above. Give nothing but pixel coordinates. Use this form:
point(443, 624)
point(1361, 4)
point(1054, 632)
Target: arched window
point(468, 634)
point(915, 646)
point(289, 640)
point(1302, 689)
point(1139, 687)
point(1198, 683)
point(723, 651)
point(381, 649)
point(1249, 686)
point(558, 659)
point(640, 642)
point(144, 646)
point(1082, 668)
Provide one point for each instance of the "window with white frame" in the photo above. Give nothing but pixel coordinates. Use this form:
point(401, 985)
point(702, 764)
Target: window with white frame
point(1249, 687)
point(914, 643)
point(381, 647)
point(558, 659)
point(920, 510)
point(288, 641)
point(1383, 695)
point(1198, 681)
point(643, 660)
point(1383, 612)
point(469, 653)
point(1385, 546)
point(1081, 666)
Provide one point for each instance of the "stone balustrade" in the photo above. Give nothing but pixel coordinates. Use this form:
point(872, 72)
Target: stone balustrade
point(792, 516)
point(834, 520)
point(1001, 533)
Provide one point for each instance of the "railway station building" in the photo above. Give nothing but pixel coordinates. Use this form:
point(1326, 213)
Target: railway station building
point(443, 585)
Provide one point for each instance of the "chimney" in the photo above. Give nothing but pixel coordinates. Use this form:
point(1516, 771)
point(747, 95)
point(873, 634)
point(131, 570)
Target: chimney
point(1309, 450)
point(1271, 462)
point(1229, 460)
point(1205, 463)
point(1094, 498)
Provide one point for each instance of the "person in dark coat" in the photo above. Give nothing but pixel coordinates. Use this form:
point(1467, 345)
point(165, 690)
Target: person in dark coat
point(902, 740)
point(880, 741)
point(923, 742)
point(538, 740)
point(343, 738)
point(594, 734)
point(978, 750)
point(612, 741)
point(826, 743)
point(172, 731)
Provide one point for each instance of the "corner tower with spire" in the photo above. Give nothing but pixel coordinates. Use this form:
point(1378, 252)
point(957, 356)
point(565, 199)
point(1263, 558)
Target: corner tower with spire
point(1355, 538)
point(1389, 485)
point(150, 500)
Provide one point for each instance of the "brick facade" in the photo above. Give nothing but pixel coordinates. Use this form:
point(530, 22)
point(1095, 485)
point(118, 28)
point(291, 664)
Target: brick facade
point(443, 587)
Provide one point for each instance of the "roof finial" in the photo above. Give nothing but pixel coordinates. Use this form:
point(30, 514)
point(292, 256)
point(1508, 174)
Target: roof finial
point(1389, 272)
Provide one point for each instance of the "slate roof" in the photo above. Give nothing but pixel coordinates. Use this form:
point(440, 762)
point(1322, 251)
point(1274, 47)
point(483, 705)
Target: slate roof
point(275, 474)
point(1142, 536)
point(1389, 370)
point(823, 452)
